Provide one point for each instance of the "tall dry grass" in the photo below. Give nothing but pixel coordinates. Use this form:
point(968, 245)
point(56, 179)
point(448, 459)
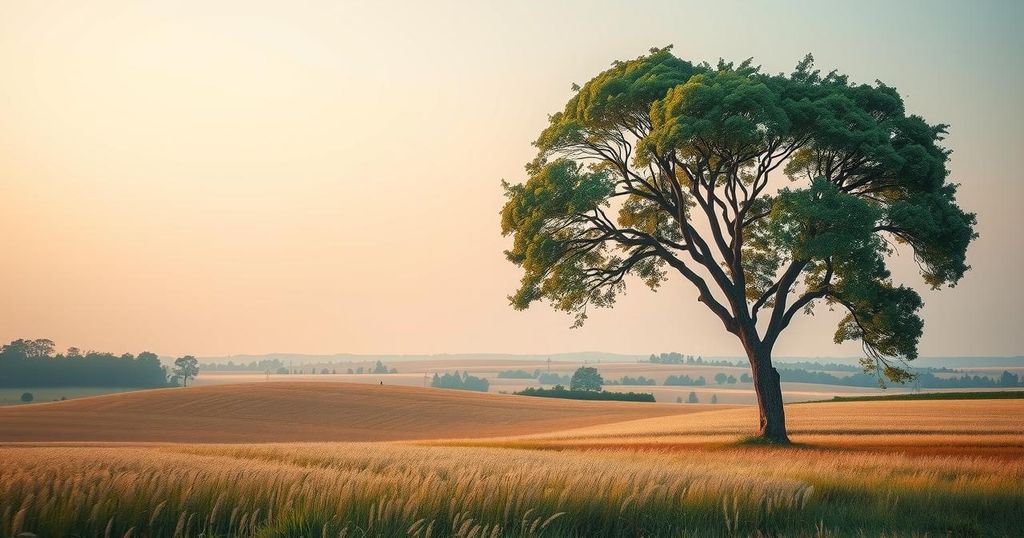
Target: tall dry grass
point(390, 490)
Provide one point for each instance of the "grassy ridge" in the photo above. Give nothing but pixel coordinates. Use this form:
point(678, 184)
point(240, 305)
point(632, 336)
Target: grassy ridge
point(303, 411)
point(293, 490)
point(992, 395)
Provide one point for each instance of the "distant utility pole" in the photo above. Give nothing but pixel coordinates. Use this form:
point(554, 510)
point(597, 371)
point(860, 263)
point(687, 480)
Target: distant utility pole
point(424, 380)
point(549, 365)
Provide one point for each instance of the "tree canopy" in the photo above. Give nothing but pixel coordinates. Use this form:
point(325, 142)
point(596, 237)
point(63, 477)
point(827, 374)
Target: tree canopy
point(35, 363)
point(586, 378)
point(660, 165)
point(185, 368)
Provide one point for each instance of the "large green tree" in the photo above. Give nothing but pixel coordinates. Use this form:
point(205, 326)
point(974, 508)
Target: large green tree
point(768, 193)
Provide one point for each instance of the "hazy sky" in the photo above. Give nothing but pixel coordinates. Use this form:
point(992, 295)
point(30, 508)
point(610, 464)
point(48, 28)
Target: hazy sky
point(245, 177)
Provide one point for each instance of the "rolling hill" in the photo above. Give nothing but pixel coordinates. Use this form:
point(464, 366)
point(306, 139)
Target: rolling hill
point(307, 411)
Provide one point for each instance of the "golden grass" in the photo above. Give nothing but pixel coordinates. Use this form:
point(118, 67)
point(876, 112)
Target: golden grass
point(966, 427)
point(388, 490)
point(283, 411)
point(909, 468)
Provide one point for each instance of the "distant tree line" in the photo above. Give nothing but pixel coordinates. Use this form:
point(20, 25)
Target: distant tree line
point(265, 365)
point(627, 380)
point(559, 391)
point(378, 368)
point(685, 381)
point(544, 378)
point(679, 358)
point(586, 384)
point(668, 358)
point(518, 374)
point(722, 378)
point(35, 363)
point(462, 381)
point(835, 367)
point(925, 380)
point(277, 366)
point(551, 378)
point(828, 366)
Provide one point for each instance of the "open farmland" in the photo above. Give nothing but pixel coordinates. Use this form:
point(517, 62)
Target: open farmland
point(909, 468)
point(285, 411)
point(418, 373)
point(931, 427)
point(388, 490)
point(511, 269)
point(12, 396)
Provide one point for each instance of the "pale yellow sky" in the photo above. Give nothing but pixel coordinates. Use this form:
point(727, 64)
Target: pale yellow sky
point(260, 177)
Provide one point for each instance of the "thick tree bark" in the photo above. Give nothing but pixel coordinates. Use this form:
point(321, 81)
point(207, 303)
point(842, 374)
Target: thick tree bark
point(772, 423)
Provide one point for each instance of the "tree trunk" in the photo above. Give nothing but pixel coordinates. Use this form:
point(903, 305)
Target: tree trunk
point(772, 423)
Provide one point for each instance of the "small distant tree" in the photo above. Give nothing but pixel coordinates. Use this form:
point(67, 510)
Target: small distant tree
point(27, 397)
point(393, 371)
point(282, 370)
point(714, 398)
point(679, 399)
point(731, 380)
point(586, 378)
point(1009, 379)
point(186, 367)
point(745, 378)
point(350, 372)
point(720, 378)
point(333, 371)
point(324, 371)
point(379, 368)
point(693, 398)
point(460, 381)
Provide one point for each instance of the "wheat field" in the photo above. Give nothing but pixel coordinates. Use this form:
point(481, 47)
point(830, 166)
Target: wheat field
point(390, 490)
point(916, 469)
point(307, 411)
point(928, 427)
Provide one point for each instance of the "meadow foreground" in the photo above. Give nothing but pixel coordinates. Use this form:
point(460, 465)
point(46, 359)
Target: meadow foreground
point(933, 468)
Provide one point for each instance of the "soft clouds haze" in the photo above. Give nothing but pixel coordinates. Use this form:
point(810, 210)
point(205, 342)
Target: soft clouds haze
point(244, 177)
